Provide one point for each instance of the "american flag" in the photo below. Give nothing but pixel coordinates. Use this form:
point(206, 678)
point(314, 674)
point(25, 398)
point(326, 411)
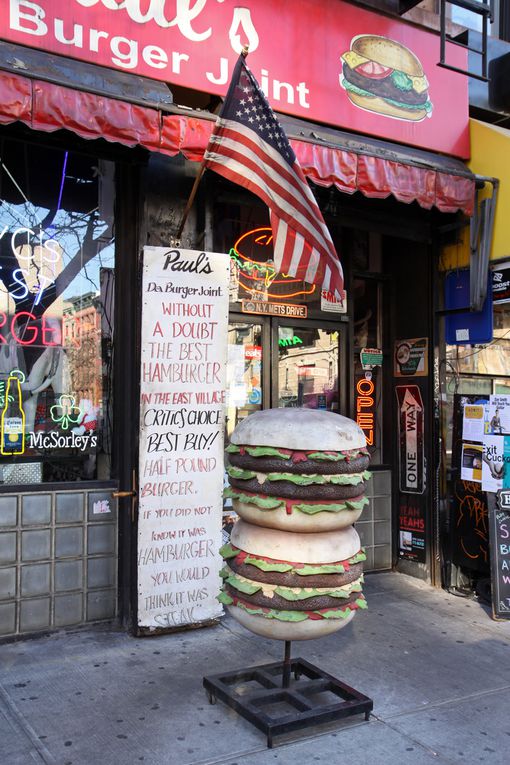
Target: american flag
point(249, 147)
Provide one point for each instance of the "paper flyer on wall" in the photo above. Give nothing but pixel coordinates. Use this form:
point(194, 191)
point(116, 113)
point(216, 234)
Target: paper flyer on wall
point(497, 416)
point(473, 422)
point(471, 469)
point(496, 463)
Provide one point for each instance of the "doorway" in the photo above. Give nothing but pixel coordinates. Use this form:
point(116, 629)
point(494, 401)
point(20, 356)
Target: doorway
point(276, 362)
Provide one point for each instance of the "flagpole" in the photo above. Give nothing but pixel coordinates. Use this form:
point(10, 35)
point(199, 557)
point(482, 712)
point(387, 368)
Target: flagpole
point(198, 178)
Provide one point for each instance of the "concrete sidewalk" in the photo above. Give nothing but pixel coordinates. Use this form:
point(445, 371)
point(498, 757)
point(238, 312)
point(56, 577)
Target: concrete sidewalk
point(437, 667)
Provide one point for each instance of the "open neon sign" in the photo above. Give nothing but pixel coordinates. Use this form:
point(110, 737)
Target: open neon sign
point(365, 408)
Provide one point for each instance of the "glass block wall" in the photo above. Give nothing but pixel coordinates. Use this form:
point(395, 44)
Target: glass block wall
point(58, 560)
point(374, 526)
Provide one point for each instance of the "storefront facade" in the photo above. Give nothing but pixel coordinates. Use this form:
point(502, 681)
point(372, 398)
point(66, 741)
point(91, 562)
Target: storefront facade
point(77, 211)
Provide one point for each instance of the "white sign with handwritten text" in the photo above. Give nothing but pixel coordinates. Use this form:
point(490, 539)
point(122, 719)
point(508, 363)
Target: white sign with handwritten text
point(182, 397)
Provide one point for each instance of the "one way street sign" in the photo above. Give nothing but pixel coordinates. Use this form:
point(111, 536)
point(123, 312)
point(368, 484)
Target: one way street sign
point(411, 451)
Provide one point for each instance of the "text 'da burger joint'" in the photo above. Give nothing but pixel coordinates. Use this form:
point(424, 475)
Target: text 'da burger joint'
point(197, 226)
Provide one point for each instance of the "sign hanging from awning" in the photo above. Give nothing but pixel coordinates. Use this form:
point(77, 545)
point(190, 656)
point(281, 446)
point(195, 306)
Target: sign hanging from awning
point(335, 63)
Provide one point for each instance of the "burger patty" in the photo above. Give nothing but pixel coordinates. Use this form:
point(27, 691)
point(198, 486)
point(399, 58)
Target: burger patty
point(384, 88)
point(306, 467)
point(291, 579)
point(281, 604)
point(330, 491)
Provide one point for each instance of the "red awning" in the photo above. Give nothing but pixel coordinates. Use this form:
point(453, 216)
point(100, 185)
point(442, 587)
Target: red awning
point(49, 107)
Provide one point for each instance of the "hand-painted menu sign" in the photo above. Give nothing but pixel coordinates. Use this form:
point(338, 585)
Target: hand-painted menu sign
point(182, 396)
point(500, 555)
point(335, 63)
point(411, 451)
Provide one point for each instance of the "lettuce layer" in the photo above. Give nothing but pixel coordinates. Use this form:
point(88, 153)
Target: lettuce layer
point(308, 569)
point(292, 594)
point(341, 479)
point(294, 616)
point(273, 503)
point(271, 451)
point(427, 106)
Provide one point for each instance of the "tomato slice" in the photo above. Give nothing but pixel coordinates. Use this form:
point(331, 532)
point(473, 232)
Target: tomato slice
point(373, 70)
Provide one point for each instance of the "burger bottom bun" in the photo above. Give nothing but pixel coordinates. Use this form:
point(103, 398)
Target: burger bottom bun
point(296, 521)
point(272, 628)
point(380, 106)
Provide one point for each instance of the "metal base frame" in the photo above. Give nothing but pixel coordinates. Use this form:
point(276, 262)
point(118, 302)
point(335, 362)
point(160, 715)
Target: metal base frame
point(266, 698)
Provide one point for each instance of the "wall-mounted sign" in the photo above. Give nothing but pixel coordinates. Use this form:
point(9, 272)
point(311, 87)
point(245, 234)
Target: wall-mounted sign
point(344, 78)
point(274, 309)
point(410, 429)
point(371, 357)
point(412, 529)
point(411, 357)
point(365, 408)
point(182, 403)
point(501, 283)
point(499, 527)
point(333, 304)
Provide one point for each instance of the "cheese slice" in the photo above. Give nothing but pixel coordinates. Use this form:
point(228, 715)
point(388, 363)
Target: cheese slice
point(420, 84)
point(353, 59)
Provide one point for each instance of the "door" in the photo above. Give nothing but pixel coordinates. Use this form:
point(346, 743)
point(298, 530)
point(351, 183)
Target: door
point(277, 363)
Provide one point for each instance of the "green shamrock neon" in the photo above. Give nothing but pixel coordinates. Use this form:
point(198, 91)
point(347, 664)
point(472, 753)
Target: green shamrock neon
point(65, 412)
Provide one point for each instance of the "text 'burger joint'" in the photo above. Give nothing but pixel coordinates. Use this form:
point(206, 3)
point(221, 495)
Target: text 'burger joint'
point(156, 292)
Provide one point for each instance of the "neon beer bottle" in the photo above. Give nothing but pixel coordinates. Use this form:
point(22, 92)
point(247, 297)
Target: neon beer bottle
point(13, 419)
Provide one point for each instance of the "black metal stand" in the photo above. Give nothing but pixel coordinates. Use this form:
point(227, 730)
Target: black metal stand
point(264, 696)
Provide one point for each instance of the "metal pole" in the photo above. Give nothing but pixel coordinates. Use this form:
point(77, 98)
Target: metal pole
point(286, 666)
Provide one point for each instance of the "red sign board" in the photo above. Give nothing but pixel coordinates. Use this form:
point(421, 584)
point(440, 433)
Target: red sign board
point(333, 62)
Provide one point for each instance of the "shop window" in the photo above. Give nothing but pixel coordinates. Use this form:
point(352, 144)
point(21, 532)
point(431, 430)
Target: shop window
point(490, 359)
point(56, 289)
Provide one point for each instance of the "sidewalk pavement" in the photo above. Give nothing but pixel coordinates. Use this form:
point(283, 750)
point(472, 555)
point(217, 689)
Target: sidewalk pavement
point(436, 666)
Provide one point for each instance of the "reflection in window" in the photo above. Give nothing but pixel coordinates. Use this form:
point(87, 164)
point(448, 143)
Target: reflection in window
point(308, 368)
point(56, 289)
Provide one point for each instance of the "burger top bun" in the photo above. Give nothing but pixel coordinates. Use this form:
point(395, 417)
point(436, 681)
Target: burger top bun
point(388, 53)
point(295, 546)
point(299, 429)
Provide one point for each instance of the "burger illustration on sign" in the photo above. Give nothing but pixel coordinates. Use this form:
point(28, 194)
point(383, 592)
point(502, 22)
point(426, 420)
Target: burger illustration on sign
point(383, 76)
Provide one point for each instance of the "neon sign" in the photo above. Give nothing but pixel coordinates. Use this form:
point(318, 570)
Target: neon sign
point(38, 261)
point(30, 330)
point(365, 408)
point(65, 412)
point(13, 419)
point(259, 277)
point(289, 342)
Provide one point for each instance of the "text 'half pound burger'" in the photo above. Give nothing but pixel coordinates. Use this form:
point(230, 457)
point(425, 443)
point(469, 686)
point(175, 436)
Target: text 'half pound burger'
point(383, 76)
point(298, 470)
point(292, 586)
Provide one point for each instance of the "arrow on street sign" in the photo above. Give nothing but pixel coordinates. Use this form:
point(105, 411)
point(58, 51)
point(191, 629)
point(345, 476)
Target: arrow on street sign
point(411, 449)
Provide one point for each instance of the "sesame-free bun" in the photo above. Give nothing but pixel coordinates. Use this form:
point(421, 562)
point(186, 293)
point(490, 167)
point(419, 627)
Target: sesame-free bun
point(296, 520)
point(317, 548)
point(380, 106)
point(299, 429)
point(277, 630)
point(389, 53)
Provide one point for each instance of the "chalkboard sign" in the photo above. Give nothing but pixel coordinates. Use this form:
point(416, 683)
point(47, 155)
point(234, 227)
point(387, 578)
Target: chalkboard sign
point(499, 510)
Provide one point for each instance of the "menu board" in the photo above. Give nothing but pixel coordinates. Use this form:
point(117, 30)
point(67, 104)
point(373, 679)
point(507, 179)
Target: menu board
point(182, 398)
point(499, 509)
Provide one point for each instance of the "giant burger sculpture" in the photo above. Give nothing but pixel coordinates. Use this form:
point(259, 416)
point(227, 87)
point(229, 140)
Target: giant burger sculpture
point(293, 566)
